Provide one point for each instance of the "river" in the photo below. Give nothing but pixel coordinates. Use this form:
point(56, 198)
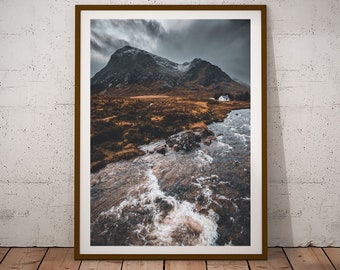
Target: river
point(199, 197)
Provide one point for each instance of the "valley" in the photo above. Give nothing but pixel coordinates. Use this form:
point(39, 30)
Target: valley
point(170, 153)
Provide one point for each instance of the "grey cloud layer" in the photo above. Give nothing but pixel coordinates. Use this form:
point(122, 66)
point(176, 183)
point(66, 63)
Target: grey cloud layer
point(225, 43)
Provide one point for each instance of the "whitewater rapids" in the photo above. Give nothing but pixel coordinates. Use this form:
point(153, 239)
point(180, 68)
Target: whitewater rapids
point(201, 197)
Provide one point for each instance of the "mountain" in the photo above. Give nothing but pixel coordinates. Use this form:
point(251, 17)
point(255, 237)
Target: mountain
point(132, 71)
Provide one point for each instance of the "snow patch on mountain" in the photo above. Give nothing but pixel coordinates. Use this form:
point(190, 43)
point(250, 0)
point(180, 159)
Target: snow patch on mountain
point(183, 67)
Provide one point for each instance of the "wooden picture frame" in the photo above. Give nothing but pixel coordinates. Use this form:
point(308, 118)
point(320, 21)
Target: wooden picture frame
point(170, 132)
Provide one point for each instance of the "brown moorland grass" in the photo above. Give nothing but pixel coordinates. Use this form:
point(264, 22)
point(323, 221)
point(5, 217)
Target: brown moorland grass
point(120, 125)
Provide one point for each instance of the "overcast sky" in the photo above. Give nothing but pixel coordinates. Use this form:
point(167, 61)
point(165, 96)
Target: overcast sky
point(225, 43)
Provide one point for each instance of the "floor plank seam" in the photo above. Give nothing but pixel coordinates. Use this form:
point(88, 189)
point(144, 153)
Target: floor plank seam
point(290, 264)
point(5, 255)
point(43, 258)
point(81, 262)
point(249, 268)
point(329, 259)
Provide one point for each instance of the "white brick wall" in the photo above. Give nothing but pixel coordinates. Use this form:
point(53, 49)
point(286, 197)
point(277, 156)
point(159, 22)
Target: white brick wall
point(37, 110)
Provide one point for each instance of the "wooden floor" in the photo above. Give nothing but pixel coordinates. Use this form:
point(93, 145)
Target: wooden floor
point(62, 258)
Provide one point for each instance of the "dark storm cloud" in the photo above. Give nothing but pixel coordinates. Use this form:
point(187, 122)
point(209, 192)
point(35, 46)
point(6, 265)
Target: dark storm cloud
point(225, 43)
point(106, 44)
point(151, 28)
point(109, 35)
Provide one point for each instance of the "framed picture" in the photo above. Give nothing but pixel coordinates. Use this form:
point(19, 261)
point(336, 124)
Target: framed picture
point(170, 132)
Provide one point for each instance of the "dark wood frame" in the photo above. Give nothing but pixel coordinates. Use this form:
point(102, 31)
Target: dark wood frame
point(78, 10)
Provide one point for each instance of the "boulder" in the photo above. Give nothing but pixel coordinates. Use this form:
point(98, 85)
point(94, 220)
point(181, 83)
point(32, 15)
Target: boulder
point(189, 139)
point(208, 140)
point(161, 149)
point(202, 132)
point(185, 140)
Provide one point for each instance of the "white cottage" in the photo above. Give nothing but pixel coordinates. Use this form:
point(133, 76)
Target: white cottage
point(224, 98)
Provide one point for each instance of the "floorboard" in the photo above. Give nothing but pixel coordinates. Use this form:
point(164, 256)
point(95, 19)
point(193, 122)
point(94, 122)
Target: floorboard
point(23, 258)
point(185, 265)
point(227, 265)
point(100, 265)
point(276, 260)
point(142, 265)
point(59, 259)
point(63, 258)
point(334, 255)
point(308, 258)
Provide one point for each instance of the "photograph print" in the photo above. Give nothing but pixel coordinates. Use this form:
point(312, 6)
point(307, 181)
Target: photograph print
point(170, 132)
